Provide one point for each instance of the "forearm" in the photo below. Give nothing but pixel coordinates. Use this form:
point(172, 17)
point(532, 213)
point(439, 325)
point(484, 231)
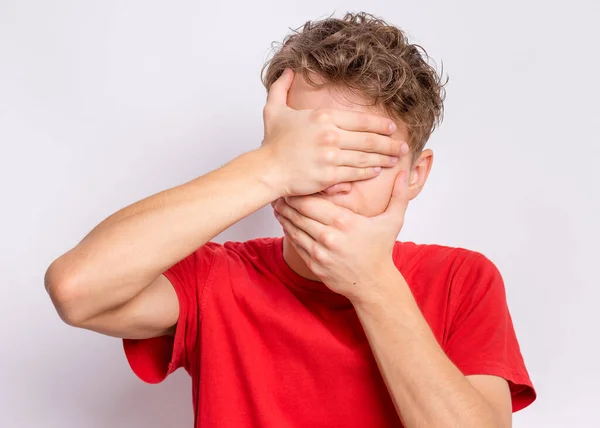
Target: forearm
point(131, 248)
point(426, 387)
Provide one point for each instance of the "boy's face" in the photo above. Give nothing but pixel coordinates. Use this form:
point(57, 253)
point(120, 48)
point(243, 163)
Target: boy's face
point(367, 197)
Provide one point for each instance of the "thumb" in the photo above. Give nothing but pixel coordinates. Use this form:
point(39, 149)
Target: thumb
point(279, 89)
point(400, 197)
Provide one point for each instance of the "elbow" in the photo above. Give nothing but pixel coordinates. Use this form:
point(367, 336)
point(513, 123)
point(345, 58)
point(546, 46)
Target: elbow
point(65, 293)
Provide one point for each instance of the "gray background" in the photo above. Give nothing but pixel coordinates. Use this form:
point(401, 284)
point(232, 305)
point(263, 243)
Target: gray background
point(105, 102)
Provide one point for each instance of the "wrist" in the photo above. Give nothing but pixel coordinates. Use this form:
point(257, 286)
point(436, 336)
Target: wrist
point(381, 289)
point(268, 171)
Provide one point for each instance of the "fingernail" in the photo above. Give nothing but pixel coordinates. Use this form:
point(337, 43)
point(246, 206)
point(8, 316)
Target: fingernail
point(392, 127)
point(377, 169)
point(404, 148)
point(393, 159)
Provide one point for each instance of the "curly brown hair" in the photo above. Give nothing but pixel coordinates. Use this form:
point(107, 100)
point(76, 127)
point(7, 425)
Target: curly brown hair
point(369, 57)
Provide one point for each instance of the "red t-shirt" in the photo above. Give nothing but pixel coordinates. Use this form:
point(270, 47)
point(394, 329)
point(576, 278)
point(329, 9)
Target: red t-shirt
point(266, 347)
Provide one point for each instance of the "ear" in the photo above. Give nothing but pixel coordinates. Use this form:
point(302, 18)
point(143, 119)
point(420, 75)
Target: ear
point(419, 173)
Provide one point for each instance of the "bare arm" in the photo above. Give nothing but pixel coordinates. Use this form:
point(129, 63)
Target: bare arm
point(111, 281)
point(426, 387)
point(129, 250)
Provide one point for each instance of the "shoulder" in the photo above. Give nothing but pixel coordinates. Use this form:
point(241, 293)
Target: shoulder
point(235, 249)
point(410, 256)
point(455, 269)
point(235, 256)
point(253, 250)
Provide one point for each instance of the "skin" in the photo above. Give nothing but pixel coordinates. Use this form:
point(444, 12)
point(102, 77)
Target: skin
point(366, 197)
point(344, 236)
point(111, 282)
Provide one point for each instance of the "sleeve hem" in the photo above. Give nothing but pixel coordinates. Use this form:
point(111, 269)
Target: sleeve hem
point(178, 354)
point(150, 358)
point(153, 359)
point(521, 388)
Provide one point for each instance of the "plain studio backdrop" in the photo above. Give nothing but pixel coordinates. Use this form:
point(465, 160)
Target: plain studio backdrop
point(103, 103)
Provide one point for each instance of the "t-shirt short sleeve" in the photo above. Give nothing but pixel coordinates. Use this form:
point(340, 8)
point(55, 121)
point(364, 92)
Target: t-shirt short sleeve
point(152, 360)
point(481, 337)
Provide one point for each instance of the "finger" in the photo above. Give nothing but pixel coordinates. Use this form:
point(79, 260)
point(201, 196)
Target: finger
point(297, 235)
point(279, 89)
point(372, 143)
point(400, 197)
point(273, 203)
point(363, 159)
point(311, 226)
point(301, 251)
point(365, 122)
point(349, 173)
point(319, 209)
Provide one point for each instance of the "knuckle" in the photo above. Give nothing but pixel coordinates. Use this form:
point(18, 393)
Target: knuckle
point(363, 159)
point(340, 222)
point(322, 115)
point(329, 155)
point(370, 143)
point(320, 256)
point(328, 239)
point(329, 137)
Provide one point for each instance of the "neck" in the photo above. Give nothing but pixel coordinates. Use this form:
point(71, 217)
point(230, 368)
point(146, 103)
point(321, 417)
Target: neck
point(295, 262)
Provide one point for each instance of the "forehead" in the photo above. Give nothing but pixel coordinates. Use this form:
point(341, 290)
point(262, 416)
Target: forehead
point(302, 96)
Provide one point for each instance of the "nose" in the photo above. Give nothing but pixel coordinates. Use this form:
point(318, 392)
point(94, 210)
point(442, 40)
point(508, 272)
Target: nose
point(337, 189)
